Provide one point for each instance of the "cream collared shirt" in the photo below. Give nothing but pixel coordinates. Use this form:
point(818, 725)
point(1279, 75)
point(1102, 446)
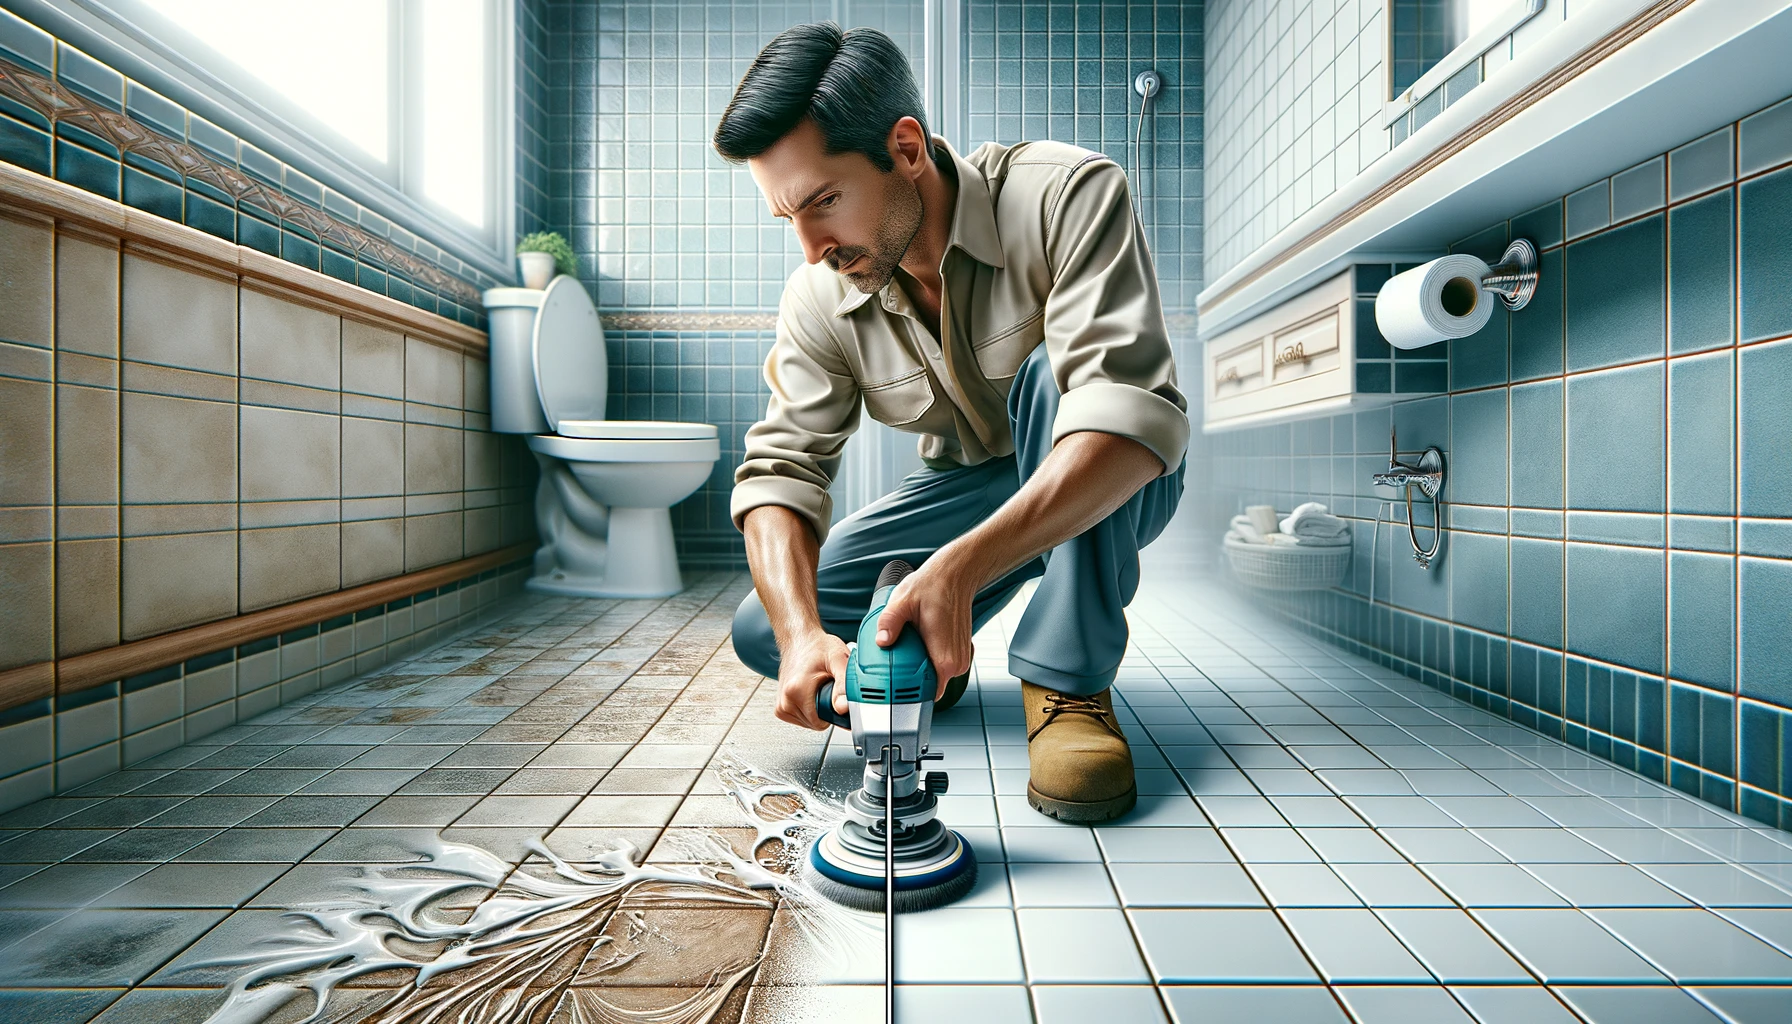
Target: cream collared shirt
point(1044, 249)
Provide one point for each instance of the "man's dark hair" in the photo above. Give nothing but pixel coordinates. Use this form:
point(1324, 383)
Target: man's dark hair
point(856, 85)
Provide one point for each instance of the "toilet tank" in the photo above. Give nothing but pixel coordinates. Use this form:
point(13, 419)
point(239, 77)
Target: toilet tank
point(515, 404)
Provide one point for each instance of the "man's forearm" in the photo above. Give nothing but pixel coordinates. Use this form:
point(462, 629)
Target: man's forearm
point(1086, 476)
point(782, 553)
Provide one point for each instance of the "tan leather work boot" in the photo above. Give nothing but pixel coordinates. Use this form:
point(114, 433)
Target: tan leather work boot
point(1081, 765)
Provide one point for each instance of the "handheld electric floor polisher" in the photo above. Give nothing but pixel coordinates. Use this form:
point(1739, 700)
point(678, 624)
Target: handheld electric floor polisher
point(891, 852)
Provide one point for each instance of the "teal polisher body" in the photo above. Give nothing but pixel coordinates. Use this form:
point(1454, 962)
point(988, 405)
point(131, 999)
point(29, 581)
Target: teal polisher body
point(890, 693)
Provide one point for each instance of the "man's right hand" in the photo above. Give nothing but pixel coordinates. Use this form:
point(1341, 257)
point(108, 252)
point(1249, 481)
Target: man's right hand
point(804, 669)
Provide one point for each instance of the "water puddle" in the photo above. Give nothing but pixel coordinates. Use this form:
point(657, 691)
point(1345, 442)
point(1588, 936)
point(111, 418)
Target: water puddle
point(481, 942)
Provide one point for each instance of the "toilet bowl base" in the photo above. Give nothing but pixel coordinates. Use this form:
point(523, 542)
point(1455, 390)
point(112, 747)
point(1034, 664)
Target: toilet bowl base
point(642, 561)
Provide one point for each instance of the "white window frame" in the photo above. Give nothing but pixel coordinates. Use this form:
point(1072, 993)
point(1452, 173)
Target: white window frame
point(394, 188)
point(1466, 52)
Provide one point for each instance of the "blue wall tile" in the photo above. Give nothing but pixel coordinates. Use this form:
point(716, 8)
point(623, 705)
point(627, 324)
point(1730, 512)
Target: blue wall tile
point(1617, 440)
point(1702, 164)
point(1764, 417)
point(1478, 448)
point(1701, 273)
point(1617, 309)
point(1766, 256)
point(1588, 209)
point(1765, 139)
point(1765, 600)
point(1480, 359)
point(1478, 580)
point(1640, 190)
point(1701, 618)
point(1537, 451)
point(1537, 591)
point(1536, 329)
point(1764, 735)
point(1615, 610)
point(1542, 226)
point(1701, 442)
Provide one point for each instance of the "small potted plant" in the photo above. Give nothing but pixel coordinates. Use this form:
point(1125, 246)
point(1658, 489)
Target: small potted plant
point(539, 255)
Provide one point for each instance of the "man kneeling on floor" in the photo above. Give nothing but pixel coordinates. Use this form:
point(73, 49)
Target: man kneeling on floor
point(1003, 306)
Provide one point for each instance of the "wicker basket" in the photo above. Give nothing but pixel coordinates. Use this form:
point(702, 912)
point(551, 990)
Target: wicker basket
point(1287, 566)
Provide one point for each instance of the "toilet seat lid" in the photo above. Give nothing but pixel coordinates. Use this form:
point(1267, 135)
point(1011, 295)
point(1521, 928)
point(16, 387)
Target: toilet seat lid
point(572, 369)
point(636, 430)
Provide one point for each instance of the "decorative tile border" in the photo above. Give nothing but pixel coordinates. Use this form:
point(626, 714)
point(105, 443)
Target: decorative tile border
point(50, 128)
point(648, 320)
point(674, 321)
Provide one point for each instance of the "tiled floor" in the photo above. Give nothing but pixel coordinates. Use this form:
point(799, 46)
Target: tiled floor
point(1316, 840)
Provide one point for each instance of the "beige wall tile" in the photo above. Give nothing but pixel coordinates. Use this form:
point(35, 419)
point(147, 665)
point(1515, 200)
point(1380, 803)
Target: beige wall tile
point(291, 396)
point(418, 412)
point(177, 449)
point(431, 540)
point(86, 446)
point(289, 455)
point(75, 522)
point(253, 515)
point(25, 361)
point(201, 517)
point(178, 317)
point(26, 605)
point(86, 595)
point(372, 550)
point(26, 442)
point(373, 408)
point(432, 374)
point(26, 276)
point(430, 504)
point(86, 296)
point(285, 341)
point(432, 459)
point(170, 582)
point(152, 379)
point(372, 458)
point(476, 384)
point(480, 531)
point(21, 523)
point(86, 370)
point(372, 360)
point(372, 508)
point(481, 459)
point(289, 562)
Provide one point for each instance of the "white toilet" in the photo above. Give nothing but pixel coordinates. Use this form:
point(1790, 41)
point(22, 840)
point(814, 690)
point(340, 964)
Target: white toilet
point(607, 486)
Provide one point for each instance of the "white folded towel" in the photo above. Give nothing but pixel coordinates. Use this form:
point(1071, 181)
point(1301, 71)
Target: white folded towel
point(1244, 530)
point(1313, 523)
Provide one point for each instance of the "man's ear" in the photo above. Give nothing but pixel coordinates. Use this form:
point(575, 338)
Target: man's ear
point(908, 146)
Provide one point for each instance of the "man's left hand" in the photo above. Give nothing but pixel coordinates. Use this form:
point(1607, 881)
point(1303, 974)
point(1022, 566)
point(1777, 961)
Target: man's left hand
point(935, 599)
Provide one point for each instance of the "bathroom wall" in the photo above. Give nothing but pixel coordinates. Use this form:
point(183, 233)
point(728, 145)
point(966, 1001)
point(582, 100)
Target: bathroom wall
point(676, 245)
point(1298, 89)
point(245, 449)
point(1616, 569)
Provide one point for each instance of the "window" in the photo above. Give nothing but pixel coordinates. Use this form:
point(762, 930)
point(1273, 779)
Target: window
point(402, 93)
point(1431, 40)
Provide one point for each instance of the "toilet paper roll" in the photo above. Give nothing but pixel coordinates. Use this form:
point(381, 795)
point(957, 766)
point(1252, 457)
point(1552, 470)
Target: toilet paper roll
point(1440, 300)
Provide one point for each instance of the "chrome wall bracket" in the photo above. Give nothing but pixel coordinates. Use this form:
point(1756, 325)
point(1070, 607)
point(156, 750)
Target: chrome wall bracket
point(1427, 475)
point(1514, 280)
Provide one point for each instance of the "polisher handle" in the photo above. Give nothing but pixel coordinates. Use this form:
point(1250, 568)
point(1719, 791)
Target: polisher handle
point(824, 707)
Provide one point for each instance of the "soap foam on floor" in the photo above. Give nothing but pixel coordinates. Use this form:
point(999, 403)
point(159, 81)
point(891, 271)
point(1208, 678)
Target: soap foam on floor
point(539, 948)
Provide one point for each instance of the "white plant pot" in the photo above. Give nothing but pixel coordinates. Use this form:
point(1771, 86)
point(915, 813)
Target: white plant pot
point(537, 268)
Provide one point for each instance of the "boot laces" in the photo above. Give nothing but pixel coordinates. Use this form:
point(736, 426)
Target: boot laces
point(1067, 703)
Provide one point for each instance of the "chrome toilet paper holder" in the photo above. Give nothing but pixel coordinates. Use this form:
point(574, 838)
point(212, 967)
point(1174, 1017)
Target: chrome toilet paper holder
point(1427, 475)
point(1514, 278)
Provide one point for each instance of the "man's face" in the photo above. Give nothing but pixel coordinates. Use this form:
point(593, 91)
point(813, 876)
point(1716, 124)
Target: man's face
point(847, 213)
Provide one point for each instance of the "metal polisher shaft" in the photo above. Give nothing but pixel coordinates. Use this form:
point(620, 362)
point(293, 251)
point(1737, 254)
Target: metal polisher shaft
point(889, 888)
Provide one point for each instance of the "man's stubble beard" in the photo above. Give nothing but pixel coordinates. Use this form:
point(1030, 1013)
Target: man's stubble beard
point(902, 222)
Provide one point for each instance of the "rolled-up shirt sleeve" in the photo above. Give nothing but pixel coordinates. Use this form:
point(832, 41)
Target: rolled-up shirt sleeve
point(793, 453)
point(1104, 322)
